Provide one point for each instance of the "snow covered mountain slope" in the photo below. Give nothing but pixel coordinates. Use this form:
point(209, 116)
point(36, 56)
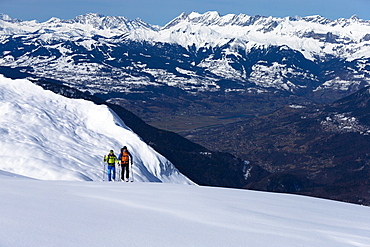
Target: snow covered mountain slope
point(314, 36)
point(65, 213)
point(50, 137)
point(304, 34)
point(194, 52)
point(82, 26)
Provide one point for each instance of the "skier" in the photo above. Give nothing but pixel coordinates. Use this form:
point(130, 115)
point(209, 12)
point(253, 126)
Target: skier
point(126, 158)
point(111, 159)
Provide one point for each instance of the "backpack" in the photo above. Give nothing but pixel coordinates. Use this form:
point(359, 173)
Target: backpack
point(110, 158)
point(125, 158)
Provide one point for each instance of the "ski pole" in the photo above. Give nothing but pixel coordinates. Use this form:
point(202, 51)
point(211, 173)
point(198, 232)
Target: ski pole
point(132, 174)
point(119, 171)
point(104, 173)
point(113, 173)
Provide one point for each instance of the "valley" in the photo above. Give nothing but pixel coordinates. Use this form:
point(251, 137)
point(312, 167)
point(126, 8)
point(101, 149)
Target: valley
point(309, 149)
point(188, 112)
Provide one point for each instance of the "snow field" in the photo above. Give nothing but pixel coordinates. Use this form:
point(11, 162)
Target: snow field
point(70, 213)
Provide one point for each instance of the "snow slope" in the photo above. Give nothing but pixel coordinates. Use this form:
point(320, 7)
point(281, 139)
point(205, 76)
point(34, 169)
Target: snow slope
point(50, 137)
point(72, 213)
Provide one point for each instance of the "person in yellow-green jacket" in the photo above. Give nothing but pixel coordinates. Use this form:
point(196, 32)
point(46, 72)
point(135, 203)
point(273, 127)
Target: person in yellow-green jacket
point(111, 159)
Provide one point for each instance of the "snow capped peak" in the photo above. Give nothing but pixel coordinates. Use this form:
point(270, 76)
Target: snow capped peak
point(177, 20)
point(5, 17)
point(101, 22)
point(195, 18)
point(211, 18)
point(317, 19)
point(88, 17)
point(307, 35)
point(206, 18)
point(93, 19)
point(354, 18)
point(53, 20)
point(193, 15)
point(82, 26)
point(214, 18)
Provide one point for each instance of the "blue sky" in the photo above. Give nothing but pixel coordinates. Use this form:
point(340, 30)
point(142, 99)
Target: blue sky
point(160, 12)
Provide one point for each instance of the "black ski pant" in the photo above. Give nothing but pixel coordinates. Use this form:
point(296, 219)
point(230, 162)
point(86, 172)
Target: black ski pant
point(125, 168)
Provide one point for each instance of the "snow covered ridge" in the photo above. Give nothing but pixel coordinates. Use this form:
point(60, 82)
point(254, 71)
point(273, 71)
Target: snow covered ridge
point(313, 36)
point(49, 137)
point(81, 26)
point(346, 38)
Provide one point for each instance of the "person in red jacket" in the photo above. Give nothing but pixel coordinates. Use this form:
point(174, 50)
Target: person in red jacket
point(125, 158)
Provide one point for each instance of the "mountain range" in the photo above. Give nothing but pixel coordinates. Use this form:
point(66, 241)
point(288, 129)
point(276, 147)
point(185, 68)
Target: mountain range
point(202, 65)
point(194, 52)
